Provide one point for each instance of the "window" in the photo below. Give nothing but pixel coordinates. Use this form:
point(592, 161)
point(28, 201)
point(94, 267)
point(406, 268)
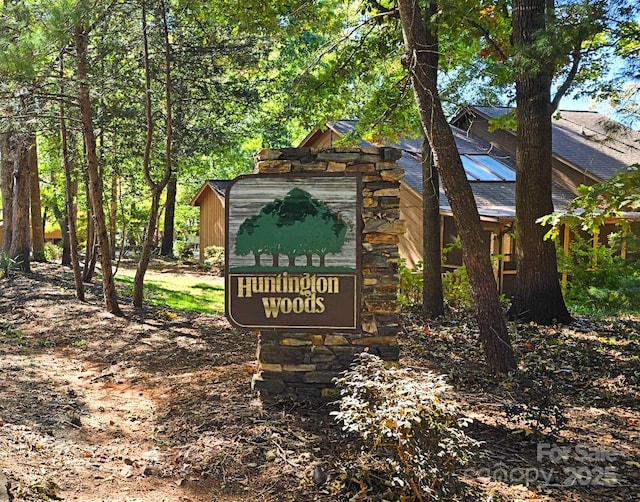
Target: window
point(486, 168)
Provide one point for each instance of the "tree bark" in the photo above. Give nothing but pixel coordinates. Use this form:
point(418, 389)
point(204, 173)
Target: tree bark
point(70, 221)
point(7, 154)
point(95, 185)
point(37, 225)
point(20, 248)
point(538, 295)
point(156, 188)
point(432, 296)
point(421, 60)
point(113, 215)
point(166, 248)
point(61, 218)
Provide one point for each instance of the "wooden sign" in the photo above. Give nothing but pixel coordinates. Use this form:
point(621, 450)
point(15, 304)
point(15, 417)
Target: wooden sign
point(292, 252)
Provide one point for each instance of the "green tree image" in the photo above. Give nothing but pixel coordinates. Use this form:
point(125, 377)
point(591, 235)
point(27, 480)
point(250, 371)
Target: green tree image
point(296, 225)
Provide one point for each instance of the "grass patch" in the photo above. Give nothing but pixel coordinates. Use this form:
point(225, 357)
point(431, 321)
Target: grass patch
point(175, 291)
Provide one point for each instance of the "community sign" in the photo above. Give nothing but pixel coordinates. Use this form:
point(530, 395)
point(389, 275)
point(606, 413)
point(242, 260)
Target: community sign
point(292, 252)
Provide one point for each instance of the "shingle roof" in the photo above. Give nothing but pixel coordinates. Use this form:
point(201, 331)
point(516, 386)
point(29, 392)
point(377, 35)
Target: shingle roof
point(494, 199)
point(588, 140)
point(219, 186)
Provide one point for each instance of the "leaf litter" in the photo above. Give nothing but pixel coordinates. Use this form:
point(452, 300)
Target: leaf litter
point(157, 405)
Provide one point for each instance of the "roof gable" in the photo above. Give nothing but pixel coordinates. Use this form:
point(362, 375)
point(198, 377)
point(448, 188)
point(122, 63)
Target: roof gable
point(586, 141)
point(217, 187)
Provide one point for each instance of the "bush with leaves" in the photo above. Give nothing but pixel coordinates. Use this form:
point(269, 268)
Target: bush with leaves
point(6, 265)
point(536, 408)
point(600, 280)
point(405, 419)
point(411, 280)
point(455, 286)
point(52, 252)
point(183, 249)
point(214, 258)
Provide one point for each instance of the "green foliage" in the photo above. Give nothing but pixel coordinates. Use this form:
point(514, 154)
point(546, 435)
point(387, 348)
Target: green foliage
point(404, 418)
point(411, 281)
point(214, 258)
point(183, 249)
point(455, 286)
point(7, 264)
point(598, 202)
point(52, 252)
point(600, 281)
point(537, 408)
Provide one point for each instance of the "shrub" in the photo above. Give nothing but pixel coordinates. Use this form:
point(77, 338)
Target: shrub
point(214, 258)
point(183, 249)
point(456, 288)
point(600, 280)
point(405, 420)
point(411, 280)
point(52, 252)
point(6, 264)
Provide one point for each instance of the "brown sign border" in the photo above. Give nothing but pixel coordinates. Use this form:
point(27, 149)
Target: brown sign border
point(356, 327)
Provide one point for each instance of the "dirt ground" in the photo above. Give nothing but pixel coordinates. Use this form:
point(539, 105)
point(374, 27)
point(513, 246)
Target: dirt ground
point(157, 406)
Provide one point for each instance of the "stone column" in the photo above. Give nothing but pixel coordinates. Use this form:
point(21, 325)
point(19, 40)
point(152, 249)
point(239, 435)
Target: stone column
point(303, 365)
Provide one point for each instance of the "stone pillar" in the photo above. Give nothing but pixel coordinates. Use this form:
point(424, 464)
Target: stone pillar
point(302, 365)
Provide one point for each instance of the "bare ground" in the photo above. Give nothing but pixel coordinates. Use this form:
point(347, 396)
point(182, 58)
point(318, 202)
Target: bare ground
point(157, 406)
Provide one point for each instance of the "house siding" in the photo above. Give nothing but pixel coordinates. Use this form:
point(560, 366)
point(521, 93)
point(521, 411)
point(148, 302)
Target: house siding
point(212, 221)
point(410, 245)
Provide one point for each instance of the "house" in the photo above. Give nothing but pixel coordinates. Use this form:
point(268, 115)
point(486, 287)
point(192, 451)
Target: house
point(588, 148)
point(583, 152)
point(211, 200)
point(54, 236)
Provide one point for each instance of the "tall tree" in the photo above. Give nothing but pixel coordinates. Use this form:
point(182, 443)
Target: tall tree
point(20, 248)
point(37, 223)
point(155, 187)
point(432, 291)
point(80, 38)
point(70, 216)
point(421, 58)
point(538, 296)
point(7, 153)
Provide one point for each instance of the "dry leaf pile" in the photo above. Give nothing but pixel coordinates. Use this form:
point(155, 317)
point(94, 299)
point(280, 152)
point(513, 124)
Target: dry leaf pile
point(157, 405)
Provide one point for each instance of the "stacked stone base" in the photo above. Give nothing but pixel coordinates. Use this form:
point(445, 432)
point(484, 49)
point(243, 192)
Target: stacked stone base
point(303, 365)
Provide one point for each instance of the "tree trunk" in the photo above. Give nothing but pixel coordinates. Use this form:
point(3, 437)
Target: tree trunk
point(37, 224)
point(538, 296)
point(20, 248)
point(90, 245)
point(113, 215)
point(156, 188)
point(70, 222)
point(432, 296)
point(61, 218)
point(7, 154)
point(166, 249)
point(421, 60)
point(95, 185)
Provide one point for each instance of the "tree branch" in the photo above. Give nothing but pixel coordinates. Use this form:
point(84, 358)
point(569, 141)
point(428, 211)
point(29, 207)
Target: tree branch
point(562, 90)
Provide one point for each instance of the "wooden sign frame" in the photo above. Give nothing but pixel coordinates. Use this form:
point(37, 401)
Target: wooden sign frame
point(292, 252)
